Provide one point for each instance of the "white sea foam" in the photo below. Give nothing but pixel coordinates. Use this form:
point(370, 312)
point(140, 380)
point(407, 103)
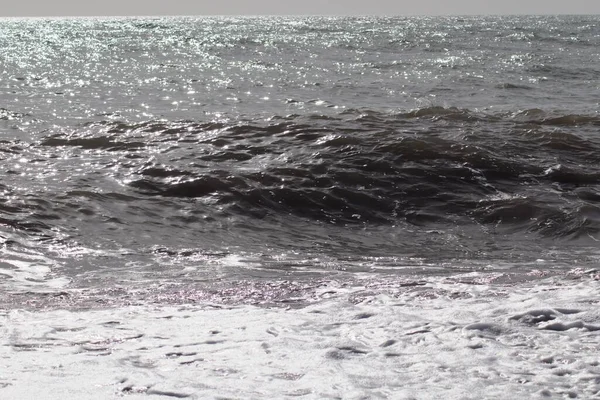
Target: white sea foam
point(452, 338)
point(27, 271)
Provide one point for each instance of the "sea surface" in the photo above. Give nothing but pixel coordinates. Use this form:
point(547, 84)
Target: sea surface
point(318, 207)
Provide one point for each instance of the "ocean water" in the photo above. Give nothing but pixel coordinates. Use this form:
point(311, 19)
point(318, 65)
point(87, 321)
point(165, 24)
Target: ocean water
point(313, 207)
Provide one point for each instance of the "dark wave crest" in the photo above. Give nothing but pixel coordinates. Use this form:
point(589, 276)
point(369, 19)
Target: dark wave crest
point(528, 170)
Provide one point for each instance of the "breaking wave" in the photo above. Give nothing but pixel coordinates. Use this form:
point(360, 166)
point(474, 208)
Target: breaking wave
point(529, 169)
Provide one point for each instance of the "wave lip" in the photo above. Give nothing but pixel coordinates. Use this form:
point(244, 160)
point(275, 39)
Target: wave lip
point(540, 117)
point(92, 143)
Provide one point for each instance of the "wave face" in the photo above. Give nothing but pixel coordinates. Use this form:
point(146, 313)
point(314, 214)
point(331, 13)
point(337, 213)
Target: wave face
point(426, 167)
point(169, 148)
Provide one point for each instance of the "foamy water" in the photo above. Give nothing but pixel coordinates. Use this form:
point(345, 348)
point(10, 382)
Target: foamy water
point(462, 337)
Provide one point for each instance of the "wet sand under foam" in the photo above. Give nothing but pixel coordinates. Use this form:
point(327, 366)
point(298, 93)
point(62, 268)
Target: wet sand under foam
point(459, 338)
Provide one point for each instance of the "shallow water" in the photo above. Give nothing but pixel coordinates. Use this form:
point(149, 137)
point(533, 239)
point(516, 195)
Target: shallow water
point(439, 175)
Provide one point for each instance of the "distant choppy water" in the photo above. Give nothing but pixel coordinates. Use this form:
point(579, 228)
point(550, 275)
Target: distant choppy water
point(203, 150)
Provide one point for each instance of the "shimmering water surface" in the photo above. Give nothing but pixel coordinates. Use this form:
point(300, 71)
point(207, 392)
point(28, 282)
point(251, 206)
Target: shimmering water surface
point(197, 151)
point(315, 208)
